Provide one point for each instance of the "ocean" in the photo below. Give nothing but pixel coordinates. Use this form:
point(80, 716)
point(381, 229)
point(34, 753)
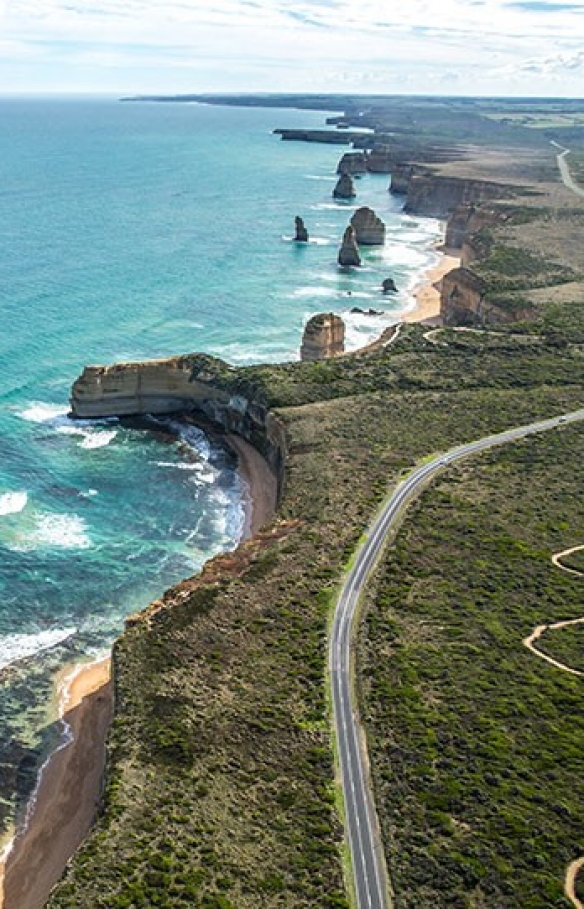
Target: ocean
point(130, 231)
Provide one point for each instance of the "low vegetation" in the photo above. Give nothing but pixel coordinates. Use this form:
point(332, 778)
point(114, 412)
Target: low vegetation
point(476, 743)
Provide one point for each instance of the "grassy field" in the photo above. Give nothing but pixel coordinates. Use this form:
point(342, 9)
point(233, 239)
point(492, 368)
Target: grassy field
point(476, 744)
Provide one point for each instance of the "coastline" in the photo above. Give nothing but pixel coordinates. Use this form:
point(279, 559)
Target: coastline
point(427, 292)
point(63, 806)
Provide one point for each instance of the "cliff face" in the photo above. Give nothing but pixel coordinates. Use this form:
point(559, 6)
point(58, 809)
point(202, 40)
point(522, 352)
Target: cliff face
point(179, 384)
point(324, 337)
point(437, 197)
point(463, 302)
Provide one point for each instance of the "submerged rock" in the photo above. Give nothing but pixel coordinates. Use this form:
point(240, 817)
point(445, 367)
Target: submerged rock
point(356, 310)
point(301, 235)
point(324, 337)
point(345, 188)
point(349, 251)
point(369, 229)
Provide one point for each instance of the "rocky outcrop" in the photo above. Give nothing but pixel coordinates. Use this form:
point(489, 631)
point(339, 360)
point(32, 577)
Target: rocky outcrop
point(353, 163)
point(193, 383)
point(388, 286)
point(463, 301)
point(437, 197)
point(349, 252)
point(369, 229)
point(380, 160)
point(301, 235)
point(345, 188)
point(401, 175)
point(324, 337)
point(327, 136)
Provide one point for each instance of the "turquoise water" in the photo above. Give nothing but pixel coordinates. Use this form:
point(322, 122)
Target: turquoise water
point(132, 231)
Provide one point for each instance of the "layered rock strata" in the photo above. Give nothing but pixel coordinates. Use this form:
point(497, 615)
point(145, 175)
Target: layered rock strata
point(324, 337)
point(437, 197)
point(345, 188)
point(193, 383)
point(349, 252)
point(369, 229)
point(464, 301)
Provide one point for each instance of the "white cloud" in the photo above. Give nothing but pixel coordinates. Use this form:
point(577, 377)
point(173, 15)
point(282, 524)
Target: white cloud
point(366, 44)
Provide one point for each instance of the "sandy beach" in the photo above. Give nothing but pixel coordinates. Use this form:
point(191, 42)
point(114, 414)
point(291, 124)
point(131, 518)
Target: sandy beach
point(427, 293)
point(67, 793)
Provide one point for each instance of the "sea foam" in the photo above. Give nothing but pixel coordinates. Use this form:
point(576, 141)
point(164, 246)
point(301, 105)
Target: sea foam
point(16, 647)
point(12, 502)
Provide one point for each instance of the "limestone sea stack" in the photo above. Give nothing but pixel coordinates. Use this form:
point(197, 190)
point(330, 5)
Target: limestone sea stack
point(353, 163)
point(369, 229)
point(349, 252)
point(345, 188)
point(301, 235)
point(324, 337)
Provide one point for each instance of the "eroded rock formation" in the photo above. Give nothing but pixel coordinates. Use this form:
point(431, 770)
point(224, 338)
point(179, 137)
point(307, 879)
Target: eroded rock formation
point(192, 383)
point(353, 163)
point(369, 229)
point(464, 301)
point(437, 197)
point(301, 235)
point(324, 337)
point(345, 188)
point(349, 252)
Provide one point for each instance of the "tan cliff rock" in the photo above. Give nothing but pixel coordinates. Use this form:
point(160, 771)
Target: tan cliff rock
point(324, 337)
point(369, 228)
point(194, 383)
point(464, 301)
point(437, 196)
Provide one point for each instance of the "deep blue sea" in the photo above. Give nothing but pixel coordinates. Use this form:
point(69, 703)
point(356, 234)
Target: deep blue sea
point(128, 231)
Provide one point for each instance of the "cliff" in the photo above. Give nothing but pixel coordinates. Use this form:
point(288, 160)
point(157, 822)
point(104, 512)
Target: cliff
point(324, 337)
point(464, 301)
point(193, 383)
point(437, 197)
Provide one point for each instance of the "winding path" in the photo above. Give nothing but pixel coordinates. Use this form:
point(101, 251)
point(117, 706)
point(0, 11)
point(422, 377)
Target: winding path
point(576, 867)
point(371, 881)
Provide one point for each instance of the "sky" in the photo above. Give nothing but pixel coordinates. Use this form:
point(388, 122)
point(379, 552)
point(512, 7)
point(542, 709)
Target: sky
point(455, 47)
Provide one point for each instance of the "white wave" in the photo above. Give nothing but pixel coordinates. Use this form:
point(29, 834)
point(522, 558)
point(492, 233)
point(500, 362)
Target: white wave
point(327, 177)
point(43, 413)
point(61, 531)
point(97, 439)
point(12, 502)
point(16, 647)
point(181, 465)
point(312, 291)
point(323, 241)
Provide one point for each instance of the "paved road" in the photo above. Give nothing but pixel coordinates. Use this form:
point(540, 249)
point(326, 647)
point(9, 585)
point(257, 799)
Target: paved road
point(371, 882)
point(565, 170)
